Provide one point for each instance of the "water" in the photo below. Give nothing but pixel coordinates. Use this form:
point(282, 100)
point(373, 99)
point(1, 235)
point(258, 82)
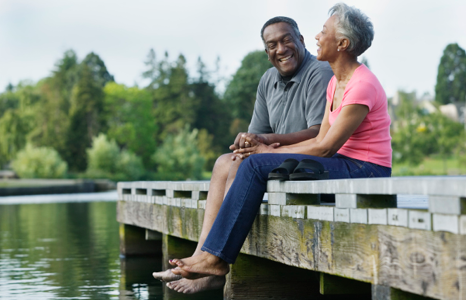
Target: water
point(67, 247)
point(69, 250)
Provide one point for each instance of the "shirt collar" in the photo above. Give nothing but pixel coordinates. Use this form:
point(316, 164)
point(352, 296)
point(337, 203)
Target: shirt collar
point(298, 76)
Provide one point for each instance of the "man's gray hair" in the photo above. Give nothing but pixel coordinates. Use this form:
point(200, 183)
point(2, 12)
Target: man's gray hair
point(353, 25)
point(287, 20)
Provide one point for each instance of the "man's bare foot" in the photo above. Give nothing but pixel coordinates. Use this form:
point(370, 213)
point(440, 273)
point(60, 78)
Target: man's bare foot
point(199, 266)
point(187, 286)
point(166, 276)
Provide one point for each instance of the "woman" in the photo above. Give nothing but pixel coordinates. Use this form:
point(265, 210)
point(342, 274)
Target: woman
point(354, 142)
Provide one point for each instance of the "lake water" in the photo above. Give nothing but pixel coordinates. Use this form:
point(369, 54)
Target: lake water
point(67, 247)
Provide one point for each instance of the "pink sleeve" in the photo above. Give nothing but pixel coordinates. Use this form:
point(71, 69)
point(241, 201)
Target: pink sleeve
point(330, 89)
point(360, 92)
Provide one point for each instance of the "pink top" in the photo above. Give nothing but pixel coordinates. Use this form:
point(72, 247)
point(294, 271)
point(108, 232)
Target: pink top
point(371, 140)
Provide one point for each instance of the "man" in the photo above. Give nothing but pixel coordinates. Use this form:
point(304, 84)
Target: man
point(289, 108)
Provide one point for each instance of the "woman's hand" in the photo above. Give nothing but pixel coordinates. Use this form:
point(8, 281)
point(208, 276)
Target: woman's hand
point(256, 149)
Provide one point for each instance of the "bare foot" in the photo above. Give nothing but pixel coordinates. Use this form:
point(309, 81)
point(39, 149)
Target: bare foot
point(187, 286)
point(199, 266)
point(166, 276)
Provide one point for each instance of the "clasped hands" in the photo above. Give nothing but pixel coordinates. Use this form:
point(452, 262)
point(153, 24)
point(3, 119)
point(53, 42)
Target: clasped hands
point(247, 144)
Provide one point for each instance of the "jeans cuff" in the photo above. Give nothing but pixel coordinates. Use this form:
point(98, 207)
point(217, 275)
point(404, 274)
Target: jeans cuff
point(218, 254)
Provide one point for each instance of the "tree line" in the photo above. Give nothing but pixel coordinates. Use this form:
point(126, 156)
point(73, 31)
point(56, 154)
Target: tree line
point(176, 125)
point(79, 122)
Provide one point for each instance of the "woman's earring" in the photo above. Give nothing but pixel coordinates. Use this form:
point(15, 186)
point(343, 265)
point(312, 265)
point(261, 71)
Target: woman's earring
point(338, 49)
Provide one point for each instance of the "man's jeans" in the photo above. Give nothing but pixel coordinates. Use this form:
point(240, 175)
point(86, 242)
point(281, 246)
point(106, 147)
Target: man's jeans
point(240, 207)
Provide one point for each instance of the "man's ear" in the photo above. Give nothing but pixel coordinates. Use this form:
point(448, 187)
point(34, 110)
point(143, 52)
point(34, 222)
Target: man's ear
point(268, 57)
point(301, 39)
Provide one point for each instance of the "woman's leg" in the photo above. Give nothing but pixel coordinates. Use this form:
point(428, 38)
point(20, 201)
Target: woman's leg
point(240, 207)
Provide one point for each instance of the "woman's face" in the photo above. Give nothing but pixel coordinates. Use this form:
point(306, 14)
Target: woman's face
point(326, 41)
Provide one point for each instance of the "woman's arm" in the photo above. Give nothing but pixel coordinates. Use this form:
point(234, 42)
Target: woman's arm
point(330, 138)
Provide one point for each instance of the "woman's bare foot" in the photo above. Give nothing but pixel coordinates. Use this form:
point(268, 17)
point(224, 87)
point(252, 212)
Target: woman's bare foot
point(199, 266)
point(188, 286)
point(166, 276)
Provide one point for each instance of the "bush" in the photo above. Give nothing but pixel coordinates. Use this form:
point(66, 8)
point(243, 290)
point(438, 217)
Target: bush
point(179, 157)
point(41, 162)
point(103, 156)
point(106, 161)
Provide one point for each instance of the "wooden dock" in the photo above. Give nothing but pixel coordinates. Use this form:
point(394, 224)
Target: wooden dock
point(302, 248)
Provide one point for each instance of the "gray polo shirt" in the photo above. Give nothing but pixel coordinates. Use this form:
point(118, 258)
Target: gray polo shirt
point(285, 108)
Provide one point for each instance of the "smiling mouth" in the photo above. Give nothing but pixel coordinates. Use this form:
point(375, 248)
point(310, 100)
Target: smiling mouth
point(285, 58)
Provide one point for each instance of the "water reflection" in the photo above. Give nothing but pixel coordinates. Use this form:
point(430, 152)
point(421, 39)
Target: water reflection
point(69, 251)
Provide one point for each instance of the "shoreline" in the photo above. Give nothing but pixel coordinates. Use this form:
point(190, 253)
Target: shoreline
point(23, 187)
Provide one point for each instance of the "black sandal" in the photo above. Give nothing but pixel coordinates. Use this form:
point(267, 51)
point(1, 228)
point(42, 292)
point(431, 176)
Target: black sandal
point(302, 171)
point(283, 171)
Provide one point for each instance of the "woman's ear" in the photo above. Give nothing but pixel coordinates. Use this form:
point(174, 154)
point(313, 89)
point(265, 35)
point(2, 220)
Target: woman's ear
point(343, 44)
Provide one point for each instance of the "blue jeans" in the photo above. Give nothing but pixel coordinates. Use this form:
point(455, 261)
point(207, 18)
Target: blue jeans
point(240, 207)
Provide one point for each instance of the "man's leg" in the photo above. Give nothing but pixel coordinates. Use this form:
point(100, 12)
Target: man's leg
point(222, 176)
point(214, 202)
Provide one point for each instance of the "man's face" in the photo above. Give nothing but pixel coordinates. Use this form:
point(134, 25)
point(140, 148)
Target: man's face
point(284, 48)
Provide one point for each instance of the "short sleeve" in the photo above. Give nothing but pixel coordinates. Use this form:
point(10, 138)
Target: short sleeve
point(360, 92)
point(316, 95)
point(260, 118)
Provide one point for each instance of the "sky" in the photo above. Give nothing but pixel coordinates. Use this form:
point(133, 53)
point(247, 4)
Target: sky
point(410, 35)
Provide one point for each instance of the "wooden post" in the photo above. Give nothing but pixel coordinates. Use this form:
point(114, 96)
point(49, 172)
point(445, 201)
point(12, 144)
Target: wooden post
point(252, 277)
point(382, 292)
point(174, 247)
point(133, 242)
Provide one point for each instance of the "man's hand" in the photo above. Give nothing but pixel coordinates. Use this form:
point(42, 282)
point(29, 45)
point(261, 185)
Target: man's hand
point(245, 140)
point(256, 149)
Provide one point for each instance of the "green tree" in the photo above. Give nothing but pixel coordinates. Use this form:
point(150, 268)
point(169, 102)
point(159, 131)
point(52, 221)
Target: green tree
point(240, 93)
point(448, 133)
point(51, 113)
point(211, 114)
point(179, 157)
point(107, 161)
point(98, 69)
point(13, 131)
point(412, 138)
point(174, 105)
point(86, 119)
point(128, 115)
point(42, 162)
point(451, 76)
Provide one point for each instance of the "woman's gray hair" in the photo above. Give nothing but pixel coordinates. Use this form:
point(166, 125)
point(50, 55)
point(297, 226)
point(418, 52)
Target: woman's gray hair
point(353, 25)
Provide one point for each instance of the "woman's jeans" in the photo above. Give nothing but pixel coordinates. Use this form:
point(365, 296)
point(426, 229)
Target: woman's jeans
point(240, 207)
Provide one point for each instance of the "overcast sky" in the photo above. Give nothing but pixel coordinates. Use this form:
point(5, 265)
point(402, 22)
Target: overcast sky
point(410, 35)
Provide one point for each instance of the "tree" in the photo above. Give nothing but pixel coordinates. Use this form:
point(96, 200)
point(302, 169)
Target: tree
point(152, 72)
point(13, 131)
point(128, 115)
point(42, 162)
point(240, 93)
point(412, 139)
point(179, 157)
point(211, 114)
point(86, 119)
point(98, 69)
point(51, 113)
point(174, 105)
point(451, 76)
point(106, 160)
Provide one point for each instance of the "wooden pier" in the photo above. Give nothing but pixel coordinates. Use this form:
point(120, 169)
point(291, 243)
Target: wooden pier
point(360, 247)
